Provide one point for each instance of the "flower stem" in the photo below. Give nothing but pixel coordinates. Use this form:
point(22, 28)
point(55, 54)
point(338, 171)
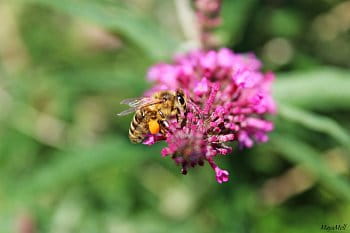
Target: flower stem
point(208, 17)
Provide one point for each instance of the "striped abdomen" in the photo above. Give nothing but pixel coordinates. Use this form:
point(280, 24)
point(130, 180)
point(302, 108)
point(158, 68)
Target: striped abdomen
point(138, 128)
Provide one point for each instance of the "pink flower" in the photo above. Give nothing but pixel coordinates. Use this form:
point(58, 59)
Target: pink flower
point(221, 175)
point(202, 87)
point(228, 99)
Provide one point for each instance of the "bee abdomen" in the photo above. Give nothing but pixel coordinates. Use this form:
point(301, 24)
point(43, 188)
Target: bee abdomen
point(136, 131)
point(135, 138)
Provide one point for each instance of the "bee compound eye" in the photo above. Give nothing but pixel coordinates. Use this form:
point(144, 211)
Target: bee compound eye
point(180, 99)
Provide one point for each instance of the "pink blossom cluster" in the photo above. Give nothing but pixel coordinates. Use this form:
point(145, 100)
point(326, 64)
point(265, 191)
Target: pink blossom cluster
point(228, 100)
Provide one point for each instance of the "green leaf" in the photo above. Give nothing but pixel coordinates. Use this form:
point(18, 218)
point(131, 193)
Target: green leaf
point(140, 29)
point(323, 89)
point(70, 165)
point(316, 122)
point(301, 153)
point(118, 80)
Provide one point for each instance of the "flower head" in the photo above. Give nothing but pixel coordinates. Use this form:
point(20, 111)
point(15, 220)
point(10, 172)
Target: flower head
point(229, 98)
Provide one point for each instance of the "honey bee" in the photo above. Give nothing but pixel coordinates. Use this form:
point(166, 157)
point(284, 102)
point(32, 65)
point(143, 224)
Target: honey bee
point(152, 113)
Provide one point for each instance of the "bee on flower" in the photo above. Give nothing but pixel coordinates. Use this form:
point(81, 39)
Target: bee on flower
point(227, 99)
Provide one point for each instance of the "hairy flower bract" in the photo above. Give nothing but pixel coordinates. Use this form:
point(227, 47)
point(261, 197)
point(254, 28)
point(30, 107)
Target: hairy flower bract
point(229, 98)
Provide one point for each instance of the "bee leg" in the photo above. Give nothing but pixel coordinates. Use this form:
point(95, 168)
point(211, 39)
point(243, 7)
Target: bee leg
point(181, 120)
point(177, 114)
point(164, 126)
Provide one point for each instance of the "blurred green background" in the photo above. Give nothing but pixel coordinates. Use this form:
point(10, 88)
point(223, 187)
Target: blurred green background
point(66, 164)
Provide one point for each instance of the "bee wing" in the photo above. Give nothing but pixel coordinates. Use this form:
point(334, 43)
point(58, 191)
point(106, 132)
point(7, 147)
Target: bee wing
point(126, 112)
point(131, 101)
point(136, 103)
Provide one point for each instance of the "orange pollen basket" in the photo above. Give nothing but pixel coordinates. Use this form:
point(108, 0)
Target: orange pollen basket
point(153, 126)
